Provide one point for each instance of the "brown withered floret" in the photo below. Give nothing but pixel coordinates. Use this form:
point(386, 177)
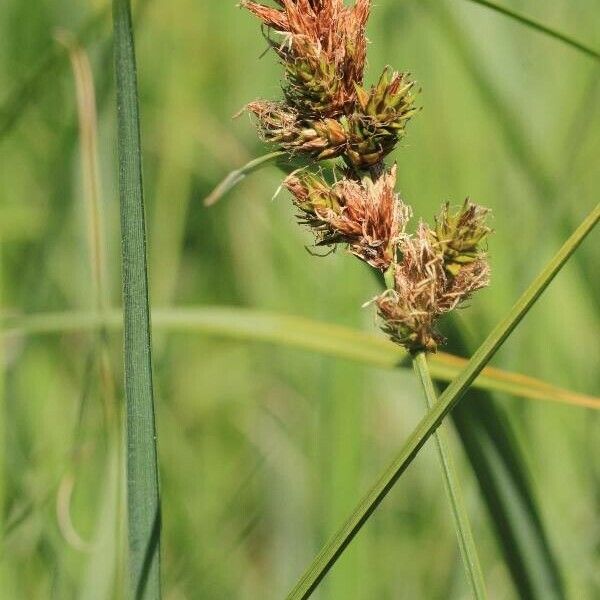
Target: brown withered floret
point(323, 46)
point(367, 216)
point(279, 124)
point(424, 290)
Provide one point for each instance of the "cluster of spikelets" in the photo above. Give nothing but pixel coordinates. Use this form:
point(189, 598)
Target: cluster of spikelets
point(327, 113)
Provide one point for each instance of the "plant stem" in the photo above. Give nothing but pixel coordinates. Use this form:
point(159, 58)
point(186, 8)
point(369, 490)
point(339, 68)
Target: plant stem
point(143, 501)
point(466, 542)
point(425, 429)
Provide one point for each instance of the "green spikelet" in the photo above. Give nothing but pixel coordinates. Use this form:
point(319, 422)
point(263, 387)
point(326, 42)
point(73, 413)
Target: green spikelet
point(380, 118)
point(313, 85)
point(458, 236)
point(312, 194)
point(279, 124)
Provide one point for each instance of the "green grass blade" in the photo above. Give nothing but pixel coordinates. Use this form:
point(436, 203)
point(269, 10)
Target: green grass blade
point(238, 175)
point(451, 396)
point(28, 90)
point(280, 158)
point(142, 469)
point(298, 332)
point(466, 542)
point(565, 39)
point(496, 459)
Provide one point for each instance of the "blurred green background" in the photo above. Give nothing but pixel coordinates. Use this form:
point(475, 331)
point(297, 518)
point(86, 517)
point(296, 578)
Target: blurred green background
point(264, 450)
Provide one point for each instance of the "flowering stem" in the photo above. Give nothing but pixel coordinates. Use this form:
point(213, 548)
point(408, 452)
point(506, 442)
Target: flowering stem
point(466, 542)
point(331, 552)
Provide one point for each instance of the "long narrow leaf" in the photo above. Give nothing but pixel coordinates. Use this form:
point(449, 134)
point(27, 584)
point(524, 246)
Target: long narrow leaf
point(451, 396)
point(238, 175)
point(298, 332)
point(106, 556)
point(557, 35)
point(142, 469)
point(462, 525)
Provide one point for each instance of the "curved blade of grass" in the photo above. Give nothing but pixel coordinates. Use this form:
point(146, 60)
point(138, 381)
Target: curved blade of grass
point(298, 332)
point(451, 396)
point(104, 565)
point(466, 542)
point(88, 134)
point(561, 37)
point(238, 175)
point(142, 470)
point(280, 158)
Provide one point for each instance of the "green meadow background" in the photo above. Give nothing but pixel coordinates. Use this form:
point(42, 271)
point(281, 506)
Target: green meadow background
point(264, 449)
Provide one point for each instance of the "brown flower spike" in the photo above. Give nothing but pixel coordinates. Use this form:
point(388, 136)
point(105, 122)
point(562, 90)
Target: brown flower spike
point(367, 216)
point(282, 125)
point(327, 113)
point(322, 45)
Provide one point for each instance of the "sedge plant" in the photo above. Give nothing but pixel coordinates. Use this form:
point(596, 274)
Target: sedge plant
point(327, 112)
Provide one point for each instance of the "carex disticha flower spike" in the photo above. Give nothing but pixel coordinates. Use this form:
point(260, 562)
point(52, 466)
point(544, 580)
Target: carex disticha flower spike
point(367, 216)
point(326, 113)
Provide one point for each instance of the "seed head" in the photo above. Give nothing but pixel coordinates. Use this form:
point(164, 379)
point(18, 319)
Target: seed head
point(458, 236)
point(380, 118)
point(327, 113)
point(367, 216)
point(424, 290)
